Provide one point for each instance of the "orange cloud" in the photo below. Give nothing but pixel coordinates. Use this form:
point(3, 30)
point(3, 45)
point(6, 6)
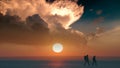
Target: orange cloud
point(65, 12)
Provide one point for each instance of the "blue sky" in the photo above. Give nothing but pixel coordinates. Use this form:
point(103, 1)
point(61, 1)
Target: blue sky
point(99, 13)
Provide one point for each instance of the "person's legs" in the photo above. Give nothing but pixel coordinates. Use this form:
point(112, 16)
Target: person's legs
point(88, 63)
point(93, 63)
point(85, 63)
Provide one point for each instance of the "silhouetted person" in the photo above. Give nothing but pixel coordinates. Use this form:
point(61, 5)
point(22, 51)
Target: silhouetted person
point(86, 59)
point(94, 61)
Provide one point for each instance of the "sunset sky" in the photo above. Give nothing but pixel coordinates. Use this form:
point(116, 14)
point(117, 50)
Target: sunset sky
point(32, 27)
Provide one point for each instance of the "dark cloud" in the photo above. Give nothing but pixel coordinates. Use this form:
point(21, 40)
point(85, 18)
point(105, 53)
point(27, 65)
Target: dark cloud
point(34, 31)
point(36, 23)
point(13, 30)
point(50, 1)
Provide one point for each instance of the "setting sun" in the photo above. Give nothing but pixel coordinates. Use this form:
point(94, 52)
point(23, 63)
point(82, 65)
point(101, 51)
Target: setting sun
point(57, 48)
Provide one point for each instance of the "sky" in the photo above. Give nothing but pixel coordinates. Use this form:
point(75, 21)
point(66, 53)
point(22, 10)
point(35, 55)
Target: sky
point(31, 28)
point(104, 14)
point(99, 13)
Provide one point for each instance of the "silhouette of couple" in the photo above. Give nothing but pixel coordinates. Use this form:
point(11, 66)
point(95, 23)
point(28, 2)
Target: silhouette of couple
point(86, 59)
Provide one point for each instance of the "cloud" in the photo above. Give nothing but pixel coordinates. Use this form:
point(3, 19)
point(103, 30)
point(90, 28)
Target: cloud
point(13, 30)
point(107, 43)
point(66, 12)
point(99, 12)
point(40, 22)
point(111, 37)
point(98, 20)
point(34, 31)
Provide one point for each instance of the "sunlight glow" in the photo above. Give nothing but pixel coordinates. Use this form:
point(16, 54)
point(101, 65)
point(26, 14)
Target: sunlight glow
point(57, 47)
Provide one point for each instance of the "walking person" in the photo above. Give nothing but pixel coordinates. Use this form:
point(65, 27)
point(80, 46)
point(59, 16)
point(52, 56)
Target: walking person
point(94, 61)
point(86, 60)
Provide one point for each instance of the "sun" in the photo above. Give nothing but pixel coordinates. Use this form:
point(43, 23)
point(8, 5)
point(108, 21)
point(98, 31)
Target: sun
point(57, 48)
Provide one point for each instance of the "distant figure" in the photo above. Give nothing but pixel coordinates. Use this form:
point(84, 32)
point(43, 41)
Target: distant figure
point(94, 61)
point(86, 59)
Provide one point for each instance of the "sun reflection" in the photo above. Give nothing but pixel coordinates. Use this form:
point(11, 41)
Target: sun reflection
point(56, 64)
